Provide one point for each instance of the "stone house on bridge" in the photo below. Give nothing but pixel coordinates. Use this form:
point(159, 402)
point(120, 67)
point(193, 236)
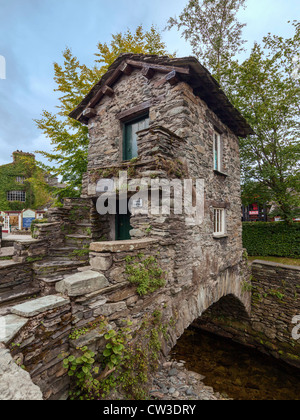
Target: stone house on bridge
point(155, 119)
point(165, 118)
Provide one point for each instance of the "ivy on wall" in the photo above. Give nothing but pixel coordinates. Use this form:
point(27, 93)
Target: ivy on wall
point(37, 191)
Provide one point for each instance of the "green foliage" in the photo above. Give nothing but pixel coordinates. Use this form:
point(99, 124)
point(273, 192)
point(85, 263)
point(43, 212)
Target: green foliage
point(145, 273)
point(82, 368)
point(74, 80)
point(35, 187)
point(214, 32)
point(125, 365)
point(263, 88)
point(268, 96)
point(115, 347)
point(272, 239)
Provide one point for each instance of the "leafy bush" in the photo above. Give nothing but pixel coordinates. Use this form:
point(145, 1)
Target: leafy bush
point(272, 239)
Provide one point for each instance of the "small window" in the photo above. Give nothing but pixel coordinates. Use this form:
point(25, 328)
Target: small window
point(20, 179)
point(16, 196)
point(130, 148)
point(219, 222)
point(217, 153)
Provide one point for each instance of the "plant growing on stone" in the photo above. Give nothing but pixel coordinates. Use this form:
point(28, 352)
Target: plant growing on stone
point(115, 347)
point(145, 273)
point(82, 369)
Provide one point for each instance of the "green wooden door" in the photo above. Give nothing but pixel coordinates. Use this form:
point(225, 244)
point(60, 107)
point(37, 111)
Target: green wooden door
point(130, 149)
point(123, 227)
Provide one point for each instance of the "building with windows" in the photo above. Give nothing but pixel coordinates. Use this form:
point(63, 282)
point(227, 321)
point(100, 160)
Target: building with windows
point(159, 125)
point(18, 191)
point(168, 118)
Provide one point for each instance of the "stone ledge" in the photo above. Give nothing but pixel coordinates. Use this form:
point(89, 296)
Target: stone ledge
point(121, 246)
point(82, 283)
point(40, 305)
point(10, 325)
point(8, 263)
point(276, 265)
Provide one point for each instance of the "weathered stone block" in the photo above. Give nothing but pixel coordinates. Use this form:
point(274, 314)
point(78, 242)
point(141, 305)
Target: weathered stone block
point(9, 327)
point(110, 308)
point(37, 306)
point(101, 262)
point(121, 246)
point(15, 383)
point(82, 283)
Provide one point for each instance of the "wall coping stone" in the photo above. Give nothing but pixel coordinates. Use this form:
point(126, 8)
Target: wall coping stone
point(15, 382)
point(121, 246)
point(276, 265)
point(10, 325)
point(82, 283)
point(34, 307)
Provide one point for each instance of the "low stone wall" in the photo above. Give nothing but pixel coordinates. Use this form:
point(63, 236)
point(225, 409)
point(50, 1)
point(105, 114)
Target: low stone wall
point(275, 302)
point(113, 289)
point(30, 251)
point(38, 332)
point(16, 281)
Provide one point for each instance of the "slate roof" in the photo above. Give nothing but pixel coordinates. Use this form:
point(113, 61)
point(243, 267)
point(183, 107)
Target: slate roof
point(189, 70)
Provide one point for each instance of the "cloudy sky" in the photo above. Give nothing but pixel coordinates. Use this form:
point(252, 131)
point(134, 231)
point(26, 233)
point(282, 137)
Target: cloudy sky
point(33, 34)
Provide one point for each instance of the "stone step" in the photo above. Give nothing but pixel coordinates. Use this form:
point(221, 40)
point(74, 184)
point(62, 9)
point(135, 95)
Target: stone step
point(62, 251)
point(55, 267)
point(73, 254)
point(82, 283)
point(18, 294)
point(10, 325)
point(78, 240)
point(35, 307)
point(7, 252)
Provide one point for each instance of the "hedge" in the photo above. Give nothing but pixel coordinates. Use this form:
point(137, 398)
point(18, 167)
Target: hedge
point(272, 239)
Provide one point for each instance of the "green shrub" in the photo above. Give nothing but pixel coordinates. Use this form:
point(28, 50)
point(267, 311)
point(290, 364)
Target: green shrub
point(272, 239)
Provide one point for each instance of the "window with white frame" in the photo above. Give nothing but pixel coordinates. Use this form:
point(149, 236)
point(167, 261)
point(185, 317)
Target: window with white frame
point(16, 196)
point(20, 179)
point(219, 222)
point(217, 152)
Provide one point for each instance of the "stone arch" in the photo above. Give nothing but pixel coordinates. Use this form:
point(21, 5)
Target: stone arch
point(228, 283)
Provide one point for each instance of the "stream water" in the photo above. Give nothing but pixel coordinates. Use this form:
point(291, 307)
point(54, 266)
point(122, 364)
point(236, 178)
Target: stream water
point(236, 371)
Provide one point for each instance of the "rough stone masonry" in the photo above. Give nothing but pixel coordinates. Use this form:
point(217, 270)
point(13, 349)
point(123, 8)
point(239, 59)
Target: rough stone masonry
point(186, 111)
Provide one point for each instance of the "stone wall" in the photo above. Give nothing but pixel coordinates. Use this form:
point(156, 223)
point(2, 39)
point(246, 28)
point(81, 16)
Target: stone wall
point(178, 145)
point(40, 332)
point(275, 302)
point(16, 283)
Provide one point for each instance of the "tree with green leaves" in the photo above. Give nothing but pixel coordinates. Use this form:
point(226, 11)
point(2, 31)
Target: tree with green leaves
point(74, 80)
point(268, 96)
point(265, 89)
point(214, 32)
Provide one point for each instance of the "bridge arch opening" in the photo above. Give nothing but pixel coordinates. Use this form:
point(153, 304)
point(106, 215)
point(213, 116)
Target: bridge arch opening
point(220, 316)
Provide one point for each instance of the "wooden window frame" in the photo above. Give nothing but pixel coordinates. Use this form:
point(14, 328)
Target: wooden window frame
point(217, 161)
point(219, 223)
point(16, 195)
point(127, 122)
